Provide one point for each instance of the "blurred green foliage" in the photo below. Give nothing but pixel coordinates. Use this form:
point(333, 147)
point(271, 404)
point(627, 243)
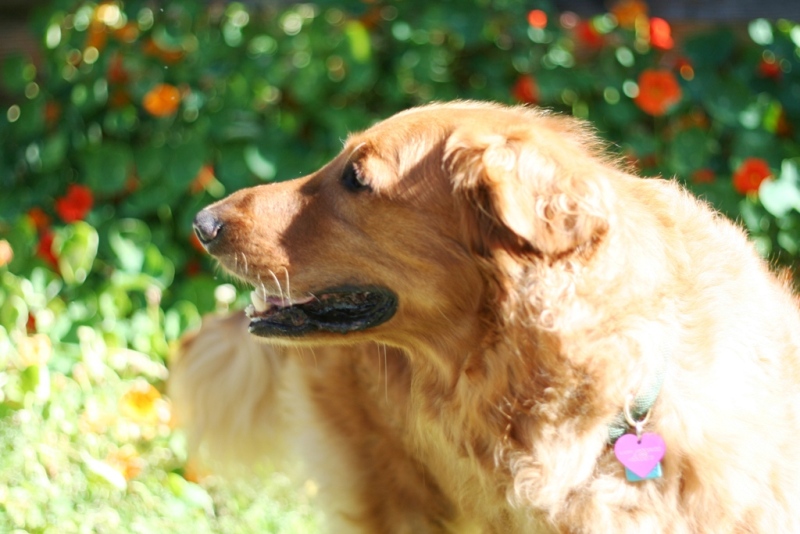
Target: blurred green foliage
point(134, 115)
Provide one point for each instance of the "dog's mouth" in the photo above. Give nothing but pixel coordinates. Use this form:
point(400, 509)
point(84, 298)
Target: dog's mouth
point(338, 310)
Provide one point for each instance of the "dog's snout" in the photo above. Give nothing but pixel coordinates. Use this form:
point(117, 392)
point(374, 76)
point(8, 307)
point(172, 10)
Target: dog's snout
point(207, 227)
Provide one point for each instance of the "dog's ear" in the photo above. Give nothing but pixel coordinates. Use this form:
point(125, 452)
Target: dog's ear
point(530, 192)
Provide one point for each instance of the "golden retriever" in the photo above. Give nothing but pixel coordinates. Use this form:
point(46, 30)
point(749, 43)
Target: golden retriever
point(454, 320)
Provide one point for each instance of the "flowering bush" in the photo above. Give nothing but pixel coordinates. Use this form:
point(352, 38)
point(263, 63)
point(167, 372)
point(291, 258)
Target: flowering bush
point(132, 118)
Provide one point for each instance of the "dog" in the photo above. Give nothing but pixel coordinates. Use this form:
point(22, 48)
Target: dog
point(474, 320)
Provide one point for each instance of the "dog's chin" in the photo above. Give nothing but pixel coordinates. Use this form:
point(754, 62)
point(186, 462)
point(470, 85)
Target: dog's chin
point(338, 311)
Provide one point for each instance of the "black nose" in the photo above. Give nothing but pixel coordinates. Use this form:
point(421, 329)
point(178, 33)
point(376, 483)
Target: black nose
point(207, 227)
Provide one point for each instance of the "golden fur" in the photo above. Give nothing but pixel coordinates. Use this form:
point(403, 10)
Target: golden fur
point(539, 285)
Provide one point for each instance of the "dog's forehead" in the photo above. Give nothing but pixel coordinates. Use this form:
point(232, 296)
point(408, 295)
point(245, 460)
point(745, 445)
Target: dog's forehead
point(409, 136)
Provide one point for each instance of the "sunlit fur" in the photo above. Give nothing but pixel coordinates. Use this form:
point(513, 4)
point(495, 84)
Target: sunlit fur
point(539, 284)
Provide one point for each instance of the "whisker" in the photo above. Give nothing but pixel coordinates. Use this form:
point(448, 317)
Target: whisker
point(288, 284)
point(385, 374)
point(280, 289)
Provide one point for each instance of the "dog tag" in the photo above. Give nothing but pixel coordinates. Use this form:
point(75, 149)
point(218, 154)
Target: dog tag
point(640, 456)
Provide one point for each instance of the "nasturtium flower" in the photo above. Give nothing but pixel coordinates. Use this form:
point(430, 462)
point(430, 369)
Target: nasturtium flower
point(537, 18)
point(6, 252)
point(44, 249)
point(588, 36)
point(661, 34)
point(704, 176)
point(75, 204)
point(141, 403)
point(127, 461)
point(39, 219)
point(526, 90)
point(658, 92)
point(750, 174)
point(627, 12)
point(162, 100)
point(770, 68)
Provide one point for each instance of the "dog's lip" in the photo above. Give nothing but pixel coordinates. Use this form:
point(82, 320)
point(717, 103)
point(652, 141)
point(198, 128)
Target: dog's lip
point(337, 310)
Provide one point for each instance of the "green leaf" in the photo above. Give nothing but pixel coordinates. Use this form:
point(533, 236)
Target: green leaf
point(35, 379)
point(781, 196)
point(75, 246)
point(258, 164)
point(17, 72)
point(54, 150)
point(184, 163)
point(710, 50)
point(190, 493)
point(358, 37)
point(128, 239)
point(104, 472)
point(106, 166)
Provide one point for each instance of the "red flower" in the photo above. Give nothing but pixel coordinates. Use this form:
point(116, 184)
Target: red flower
point(75, 204)
point(39, 219)
point(658, 91)
point(45, 249)
point(704, 176)
point(537, 18)
point(525, 90)
point(193, 267)
point(196, 244)
point(661, 34)
point(769, 68)
point(116, 71)
point(588, 35)
point(750, 174)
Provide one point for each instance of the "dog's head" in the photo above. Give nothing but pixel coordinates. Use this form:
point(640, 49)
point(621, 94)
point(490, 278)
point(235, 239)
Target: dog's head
point(395, 234)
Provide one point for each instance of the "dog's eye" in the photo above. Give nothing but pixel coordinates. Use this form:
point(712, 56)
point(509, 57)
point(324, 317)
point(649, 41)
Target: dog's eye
point(353, 181)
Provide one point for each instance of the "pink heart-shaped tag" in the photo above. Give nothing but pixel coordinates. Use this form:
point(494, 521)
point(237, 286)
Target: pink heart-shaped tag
point(640, 455)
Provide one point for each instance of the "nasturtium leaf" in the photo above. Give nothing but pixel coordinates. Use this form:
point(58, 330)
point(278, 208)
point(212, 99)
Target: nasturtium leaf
point(781, 196)
point(106, 166)
point(184, 163)
point(75, 246)
point(104, 472)
point(358, 37)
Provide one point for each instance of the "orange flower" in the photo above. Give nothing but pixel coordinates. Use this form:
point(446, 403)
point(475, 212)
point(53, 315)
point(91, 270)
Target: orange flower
point(44, 249)
point(76, 204)
point(127, 461)
point(750, 174)
point(170, 56)
point(658, 91)
point(588, 35)
point(203, 178)
point(661, 34)
point(628, 11)
point(96, 36)
point(525, 90)
point(537, 18)
point(6, 252)
point(162, 100)
point(142, 403)
point(127, 33)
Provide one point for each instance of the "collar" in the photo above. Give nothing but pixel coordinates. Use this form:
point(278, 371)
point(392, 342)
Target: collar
point(641, 404)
